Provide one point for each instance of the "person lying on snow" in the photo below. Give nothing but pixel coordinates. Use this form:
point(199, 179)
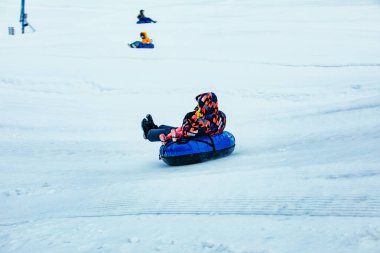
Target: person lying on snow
point(144, 40)
point(141, 17)
point(206, 119)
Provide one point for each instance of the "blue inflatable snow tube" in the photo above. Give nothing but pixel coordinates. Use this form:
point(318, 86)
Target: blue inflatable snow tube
point(196, 150)
point(145, 46)
point(144, 22)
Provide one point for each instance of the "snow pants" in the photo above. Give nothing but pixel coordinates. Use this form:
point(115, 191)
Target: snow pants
point(153, 134)
point(136, 44)
point(147, 20)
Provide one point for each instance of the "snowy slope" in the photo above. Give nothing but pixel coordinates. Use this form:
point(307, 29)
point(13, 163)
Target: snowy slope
point(298, 80)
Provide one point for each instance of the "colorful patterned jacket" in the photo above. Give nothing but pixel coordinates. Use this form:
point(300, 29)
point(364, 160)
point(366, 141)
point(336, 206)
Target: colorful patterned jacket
point(206, 119)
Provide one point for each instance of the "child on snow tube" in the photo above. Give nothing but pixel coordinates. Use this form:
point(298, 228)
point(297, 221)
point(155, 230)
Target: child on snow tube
point(145, 42)
point(142, 19)
point(206, 119)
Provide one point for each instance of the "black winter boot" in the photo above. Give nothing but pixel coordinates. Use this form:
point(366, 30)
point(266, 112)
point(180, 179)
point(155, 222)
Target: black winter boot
point(151, 122)
point(145, 127)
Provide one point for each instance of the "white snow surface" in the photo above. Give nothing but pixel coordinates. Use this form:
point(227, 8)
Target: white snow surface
point(298, 80)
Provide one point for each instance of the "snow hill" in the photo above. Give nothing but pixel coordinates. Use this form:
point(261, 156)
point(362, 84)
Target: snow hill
point(298, 80)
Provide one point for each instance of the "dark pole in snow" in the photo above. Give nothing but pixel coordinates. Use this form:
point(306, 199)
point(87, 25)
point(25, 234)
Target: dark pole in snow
point(22, 16)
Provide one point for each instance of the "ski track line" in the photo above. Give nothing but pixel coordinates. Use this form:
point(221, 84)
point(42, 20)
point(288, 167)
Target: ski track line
point(354, 206)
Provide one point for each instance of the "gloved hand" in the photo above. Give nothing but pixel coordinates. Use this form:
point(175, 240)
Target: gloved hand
point(176, 134)
point(165, 138)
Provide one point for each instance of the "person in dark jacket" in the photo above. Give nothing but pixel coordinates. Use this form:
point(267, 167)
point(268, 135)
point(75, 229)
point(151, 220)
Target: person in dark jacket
point(206, 119)
point(141, 17)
